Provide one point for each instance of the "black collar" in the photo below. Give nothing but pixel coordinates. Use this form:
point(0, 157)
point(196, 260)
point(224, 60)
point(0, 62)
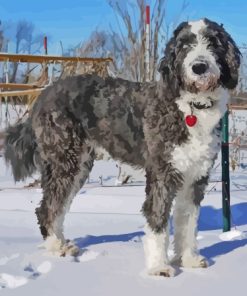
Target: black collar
point(200, 106)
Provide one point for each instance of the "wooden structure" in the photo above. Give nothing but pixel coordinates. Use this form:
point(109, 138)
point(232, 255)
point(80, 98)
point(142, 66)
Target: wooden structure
point(30, 91)
point(97, 65)
point(25, 58)
point(237, 107)
point(23, 92)
point(238, 102)
point(9, 86)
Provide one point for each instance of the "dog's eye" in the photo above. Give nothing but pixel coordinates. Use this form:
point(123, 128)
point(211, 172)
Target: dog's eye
point(184, 41)
point(213, 41)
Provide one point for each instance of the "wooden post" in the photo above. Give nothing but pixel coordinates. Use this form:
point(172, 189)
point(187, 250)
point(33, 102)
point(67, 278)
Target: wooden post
point(225, 175)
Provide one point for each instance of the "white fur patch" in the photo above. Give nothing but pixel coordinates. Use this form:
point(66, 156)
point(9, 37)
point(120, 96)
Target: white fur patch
point(185, 222)
point(155, 248)
point(57, 247)
point(197, 26)
point(53, 245)
point(195, 157)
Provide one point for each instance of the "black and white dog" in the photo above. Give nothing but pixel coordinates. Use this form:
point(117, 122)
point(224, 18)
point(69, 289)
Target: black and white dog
point(170, 128)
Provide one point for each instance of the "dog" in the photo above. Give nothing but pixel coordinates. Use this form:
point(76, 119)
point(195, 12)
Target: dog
point(170, 128)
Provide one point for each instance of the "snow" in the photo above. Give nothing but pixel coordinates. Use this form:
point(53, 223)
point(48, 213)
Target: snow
point(12, 282)
point(107, 225)
point(231, 235)
point(88, 255)
point(44, 267)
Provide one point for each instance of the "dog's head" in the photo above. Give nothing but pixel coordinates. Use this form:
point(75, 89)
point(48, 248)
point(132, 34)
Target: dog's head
point(200, 56)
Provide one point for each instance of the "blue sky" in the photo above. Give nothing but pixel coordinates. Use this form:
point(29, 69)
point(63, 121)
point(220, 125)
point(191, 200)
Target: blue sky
point(72, 20)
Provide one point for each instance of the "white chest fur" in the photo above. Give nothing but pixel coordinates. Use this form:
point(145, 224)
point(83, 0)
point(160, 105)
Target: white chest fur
point(195, 157)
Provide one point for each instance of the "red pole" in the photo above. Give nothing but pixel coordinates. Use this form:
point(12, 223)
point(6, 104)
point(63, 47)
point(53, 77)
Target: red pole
point(147, 15)
point(45, 45)
point(147, 45)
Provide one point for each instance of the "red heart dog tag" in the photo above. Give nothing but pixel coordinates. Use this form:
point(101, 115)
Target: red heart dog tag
point(191, 120)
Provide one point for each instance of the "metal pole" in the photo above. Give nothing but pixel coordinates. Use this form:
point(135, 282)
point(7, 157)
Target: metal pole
point(147, 50)
point(6, 81)
point(46, 67)
point(45, 45)
point(225, 175)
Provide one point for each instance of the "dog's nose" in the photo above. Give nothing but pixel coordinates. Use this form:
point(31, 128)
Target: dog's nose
point(199, 68)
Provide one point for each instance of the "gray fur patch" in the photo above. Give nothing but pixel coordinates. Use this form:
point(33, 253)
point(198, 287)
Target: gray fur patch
point(136, 123)
point(20, 147)
point(157, 205)
point(199, 189)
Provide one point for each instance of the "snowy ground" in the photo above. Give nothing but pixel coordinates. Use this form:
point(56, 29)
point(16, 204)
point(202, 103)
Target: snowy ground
point(107, 225)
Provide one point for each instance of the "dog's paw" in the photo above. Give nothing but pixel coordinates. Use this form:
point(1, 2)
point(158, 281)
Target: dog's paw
point(165, 271)
point(59, 247)
point(70, 249)
point(195, 261)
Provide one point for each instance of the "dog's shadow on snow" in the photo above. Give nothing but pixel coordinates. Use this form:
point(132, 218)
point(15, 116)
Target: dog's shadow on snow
point(84, 242)
point(222, 248)
point(210, 219)
point(210, 252)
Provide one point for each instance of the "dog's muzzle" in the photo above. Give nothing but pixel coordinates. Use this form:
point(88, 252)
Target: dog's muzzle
point(199, 68)
point(204, 77)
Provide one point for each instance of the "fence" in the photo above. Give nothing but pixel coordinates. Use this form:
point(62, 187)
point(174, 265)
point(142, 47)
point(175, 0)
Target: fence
point(24, 94)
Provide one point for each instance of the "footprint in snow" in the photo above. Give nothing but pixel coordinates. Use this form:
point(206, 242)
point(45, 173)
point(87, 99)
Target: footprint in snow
point(12, 282)
point(4, 260)
point(87, 255)
point(43, 268)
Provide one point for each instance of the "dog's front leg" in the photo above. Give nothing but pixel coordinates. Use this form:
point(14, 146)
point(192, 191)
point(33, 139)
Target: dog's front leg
point(186, 214)
point(157, 210)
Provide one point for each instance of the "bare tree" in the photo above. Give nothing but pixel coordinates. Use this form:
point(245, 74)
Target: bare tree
point(1, 46)
point(158, 17)
point(24, 30)
point(242, 85)
point(1, 37)
point(26, 41)
point(132, 15)
point(126, 43)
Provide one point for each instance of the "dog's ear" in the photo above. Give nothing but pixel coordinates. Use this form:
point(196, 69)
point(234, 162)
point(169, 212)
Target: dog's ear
point(166, 68)
point(167, 65)
point(233, 57)
point(228, 58)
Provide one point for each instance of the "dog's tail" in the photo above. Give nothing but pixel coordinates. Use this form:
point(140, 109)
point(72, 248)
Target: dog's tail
point(20, 149)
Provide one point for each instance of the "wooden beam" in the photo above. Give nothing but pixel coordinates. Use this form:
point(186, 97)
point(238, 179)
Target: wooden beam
point(32, 92)
point(238, 100)
point(237, 107)
point(25, 58)
point(10, 86)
